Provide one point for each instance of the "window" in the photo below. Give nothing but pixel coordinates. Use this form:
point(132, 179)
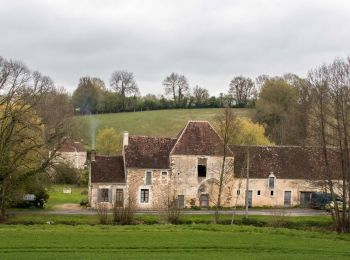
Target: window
point(148, 178)
point(164, 177)
point(271, 193)
point(238, 192)
point(104, 195)
point(202, 167)
point(258, 192)
point(144, 195)
point(271, 182)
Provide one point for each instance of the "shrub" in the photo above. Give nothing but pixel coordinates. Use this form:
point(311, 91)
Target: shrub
point(84, 202)
point(102, 212)
point(64, 174)
point(83, 179)
point(173, 212)
point(125, 214)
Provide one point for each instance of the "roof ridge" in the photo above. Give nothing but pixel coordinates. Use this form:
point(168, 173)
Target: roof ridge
point(147, 136)
point(179, 137)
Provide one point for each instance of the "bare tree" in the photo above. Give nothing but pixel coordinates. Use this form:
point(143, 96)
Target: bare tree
point(226, 127)
point(124, 83)
point(24, 143)
point(330, 121)
point(242, 89)
point(176, 85)
point(201, 96)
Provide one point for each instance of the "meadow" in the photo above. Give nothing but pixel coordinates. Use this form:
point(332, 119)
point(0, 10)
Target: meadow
point(57, 197)
point(168, 241)
point(166, 123)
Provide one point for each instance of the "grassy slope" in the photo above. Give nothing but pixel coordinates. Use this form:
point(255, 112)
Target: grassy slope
point(153, 123)
point(168, 241)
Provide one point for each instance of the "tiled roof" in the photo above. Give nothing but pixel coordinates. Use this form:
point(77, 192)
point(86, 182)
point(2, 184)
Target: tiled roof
point(199, 138)
point(285, 162)
point(148, 152)
point(71, 146)
point(108, 169)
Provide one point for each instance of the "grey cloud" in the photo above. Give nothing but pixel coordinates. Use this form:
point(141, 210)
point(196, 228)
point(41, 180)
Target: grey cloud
point(208, 41)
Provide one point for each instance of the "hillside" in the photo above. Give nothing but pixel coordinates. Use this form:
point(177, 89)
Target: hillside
point(154, 123)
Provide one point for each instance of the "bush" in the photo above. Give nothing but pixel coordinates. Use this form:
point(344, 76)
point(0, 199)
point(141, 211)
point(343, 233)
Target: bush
point(65, 174)
point(125, 214)
point(173, 212)
point(102, 212)
point(84, 202)
point(83, 179)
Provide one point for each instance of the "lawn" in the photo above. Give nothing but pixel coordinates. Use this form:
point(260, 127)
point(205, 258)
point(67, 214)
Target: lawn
point(57, 196)
point(168, 241)
point(153, 123)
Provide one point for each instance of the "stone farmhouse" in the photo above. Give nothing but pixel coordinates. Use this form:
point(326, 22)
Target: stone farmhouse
point(153, 169)
point(72, 153)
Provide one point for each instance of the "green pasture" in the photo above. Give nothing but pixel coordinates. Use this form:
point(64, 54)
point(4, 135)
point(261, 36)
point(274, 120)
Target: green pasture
point(168, 242)
point(166, 123)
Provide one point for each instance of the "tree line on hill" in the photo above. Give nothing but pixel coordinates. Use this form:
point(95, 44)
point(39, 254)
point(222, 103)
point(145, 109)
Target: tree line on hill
point(92, 96)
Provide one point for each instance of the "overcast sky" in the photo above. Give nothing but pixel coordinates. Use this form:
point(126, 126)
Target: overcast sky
point(209, 42)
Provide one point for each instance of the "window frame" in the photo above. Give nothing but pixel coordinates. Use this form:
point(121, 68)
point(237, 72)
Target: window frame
point(103, 196)
point(143, 195)
point(202, 162)
point(164, 179)
point(151, 172)
point(271, 177)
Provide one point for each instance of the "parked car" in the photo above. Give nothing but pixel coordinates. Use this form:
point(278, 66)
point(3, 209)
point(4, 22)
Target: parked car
point(320, 200)
point(330, 206)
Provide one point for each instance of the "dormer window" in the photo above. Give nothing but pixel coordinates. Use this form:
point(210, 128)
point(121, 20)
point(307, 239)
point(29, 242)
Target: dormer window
point(271, 182)
point(202, 167)
point(149, 178)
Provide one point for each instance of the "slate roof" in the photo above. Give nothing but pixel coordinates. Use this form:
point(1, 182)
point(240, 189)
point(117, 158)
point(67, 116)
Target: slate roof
point(108, 169)
point(285, 162)
point(148, 152)
point(199, 138)
point(71, 146)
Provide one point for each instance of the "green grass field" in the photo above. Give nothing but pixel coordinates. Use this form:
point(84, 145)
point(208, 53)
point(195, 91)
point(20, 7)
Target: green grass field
point(168, 242)
point(153, 123)
point(57, 196)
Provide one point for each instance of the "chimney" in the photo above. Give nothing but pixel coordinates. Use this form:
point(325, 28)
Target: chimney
point(93, 155)
point(125, 138)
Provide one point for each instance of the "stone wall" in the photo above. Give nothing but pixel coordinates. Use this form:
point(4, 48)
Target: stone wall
point(187, 182)
point(158, 190)
point(277, 199)
point(76, 160)
point(112, 186)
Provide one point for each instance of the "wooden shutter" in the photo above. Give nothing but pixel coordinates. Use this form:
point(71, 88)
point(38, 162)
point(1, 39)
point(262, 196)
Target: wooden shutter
point(98, 195)
point(148, 178)
point(109, 195)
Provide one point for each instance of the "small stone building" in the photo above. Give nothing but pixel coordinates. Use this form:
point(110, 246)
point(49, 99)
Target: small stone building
point(73, 154)
point(153, 170)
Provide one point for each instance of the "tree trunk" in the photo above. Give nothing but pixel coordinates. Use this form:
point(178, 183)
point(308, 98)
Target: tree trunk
point(247, 186)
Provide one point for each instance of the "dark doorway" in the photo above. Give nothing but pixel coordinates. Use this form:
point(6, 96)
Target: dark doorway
point(119, 198)
point(204, 201)
point(181, 201)
point(250, 198)
point(305, 199)
point(287, 198)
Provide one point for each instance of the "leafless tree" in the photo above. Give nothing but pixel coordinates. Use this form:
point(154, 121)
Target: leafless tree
point(329, 127)
point(242, 89)
point(176, 85)
point(201, 95)
point(124, 83)
point(226, 127)
point(24, 141)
